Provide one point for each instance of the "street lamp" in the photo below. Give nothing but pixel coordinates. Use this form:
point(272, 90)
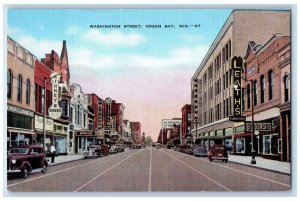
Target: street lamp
point(253, 161)
point(60, 84)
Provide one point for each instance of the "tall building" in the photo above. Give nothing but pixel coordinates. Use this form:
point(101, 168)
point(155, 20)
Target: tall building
point(211, 85)
point(20, 95)
point(169, 123)
point(268, 66)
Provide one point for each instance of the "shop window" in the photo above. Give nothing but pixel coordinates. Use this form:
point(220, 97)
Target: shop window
point(9, 83)
point(270, 144)
point(19, 88)
point(240, 145)
point(64, 107)
point(262, 89)
point(286, 88)
point(228, 144)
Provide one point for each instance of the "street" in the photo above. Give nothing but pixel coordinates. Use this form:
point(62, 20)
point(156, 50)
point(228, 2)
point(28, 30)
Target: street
point(150, 169)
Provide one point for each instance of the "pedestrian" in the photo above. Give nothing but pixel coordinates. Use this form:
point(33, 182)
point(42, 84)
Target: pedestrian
point(52, 150)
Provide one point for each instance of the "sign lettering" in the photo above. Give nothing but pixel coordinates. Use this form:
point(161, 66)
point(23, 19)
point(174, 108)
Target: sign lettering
point(236, 65)
point(55, 110)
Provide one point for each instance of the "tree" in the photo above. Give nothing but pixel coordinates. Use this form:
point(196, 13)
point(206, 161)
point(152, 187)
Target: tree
point(148, 141)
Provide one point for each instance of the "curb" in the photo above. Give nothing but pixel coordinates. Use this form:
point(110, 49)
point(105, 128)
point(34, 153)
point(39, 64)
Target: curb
point(54, 164)
point(262, 168)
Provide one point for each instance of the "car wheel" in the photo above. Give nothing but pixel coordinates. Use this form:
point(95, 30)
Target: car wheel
point(44, 170)
point(226, 160)
point(210, 159)
point(25, 172)
point(99, 154)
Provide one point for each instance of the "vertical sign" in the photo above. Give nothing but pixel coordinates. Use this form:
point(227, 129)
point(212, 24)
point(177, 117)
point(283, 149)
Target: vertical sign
point(236, 66)
point(55, 110)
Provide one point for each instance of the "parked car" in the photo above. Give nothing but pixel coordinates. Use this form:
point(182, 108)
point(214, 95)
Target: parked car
point(26, 159)
point(120, 147)
point(113, 149)
point(199, 150)
point(132, 146)
point(219, 152)
point(138, 146)
point(93, 151)
point(158, 145)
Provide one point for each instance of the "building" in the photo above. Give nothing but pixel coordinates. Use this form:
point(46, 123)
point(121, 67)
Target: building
point(79, 111)
point(186, 122)
point(211, 85)
point(41, 72)
point(97, 128)
point(169, 123)
point(20, 95)
point(268, 66)
point(136, 131)
point(127, 132)
point(63, 129)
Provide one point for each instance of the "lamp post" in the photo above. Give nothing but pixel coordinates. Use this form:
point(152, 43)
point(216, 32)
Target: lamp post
point(253, 161)
point(45, 107)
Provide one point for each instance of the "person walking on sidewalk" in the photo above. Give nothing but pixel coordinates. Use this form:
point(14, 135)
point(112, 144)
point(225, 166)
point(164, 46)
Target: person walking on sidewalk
point(52, 150)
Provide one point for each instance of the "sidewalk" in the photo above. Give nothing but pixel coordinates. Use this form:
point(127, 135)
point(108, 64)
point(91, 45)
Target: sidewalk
point(262, 163)
point(64, 159)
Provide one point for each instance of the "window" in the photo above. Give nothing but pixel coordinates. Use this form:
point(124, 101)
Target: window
point(262, 89)
point(64, 107)
point(240, 145)
point(286, 88)
point(270, 144)
point(28, 92)
point(19, 88)
point(43, 100)
point(255, 92)
point(9, 83)
point(248, 96)
point(271, 85)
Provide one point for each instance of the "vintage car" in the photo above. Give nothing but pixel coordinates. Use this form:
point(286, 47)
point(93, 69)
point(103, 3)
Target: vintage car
point(219, 152)
point(26, 159)
point(199, 150)
point(113, 149)
point(158, 145)
point(93, 151)
point(185, 149)
point(120, 147)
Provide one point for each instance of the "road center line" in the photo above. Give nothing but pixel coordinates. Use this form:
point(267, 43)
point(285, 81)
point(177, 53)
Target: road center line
point(270, 180)
point(47, 175)
point(197, 171)
point(78, 189)
point(150, 171)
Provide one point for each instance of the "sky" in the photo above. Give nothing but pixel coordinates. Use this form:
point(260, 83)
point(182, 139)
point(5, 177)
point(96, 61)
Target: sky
point(147, 69)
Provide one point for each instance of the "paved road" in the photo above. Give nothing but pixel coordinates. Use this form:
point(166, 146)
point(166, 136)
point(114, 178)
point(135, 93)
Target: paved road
point(150, 170)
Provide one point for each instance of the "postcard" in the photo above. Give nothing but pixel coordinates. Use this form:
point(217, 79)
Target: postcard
point(148, 100)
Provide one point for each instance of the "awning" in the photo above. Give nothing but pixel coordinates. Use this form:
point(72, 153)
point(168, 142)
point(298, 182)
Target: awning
point(41, 132)
point(215, 127)
point(21, 131)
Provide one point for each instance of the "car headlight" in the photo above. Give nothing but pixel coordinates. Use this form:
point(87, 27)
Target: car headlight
point(13, 161)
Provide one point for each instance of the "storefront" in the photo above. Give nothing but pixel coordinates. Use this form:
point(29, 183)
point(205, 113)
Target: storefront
point(19, 126)
point(83, 139)
point(38, 128)
point(60, 138)
point(265, 143)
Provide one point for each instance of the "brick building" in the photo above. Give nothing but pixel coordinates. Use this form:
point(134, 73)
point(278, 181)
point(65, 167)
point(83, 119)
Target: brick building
point(211, 85)
point(63, 129)
point(186, 121)
point(136, 131)
point(42, 72)
point(20, 95)
point(269, 83)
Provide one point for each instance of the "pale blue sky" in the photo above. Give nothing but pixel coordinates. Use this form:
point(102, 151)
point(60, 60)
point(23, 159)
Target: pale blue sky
point(148, 70)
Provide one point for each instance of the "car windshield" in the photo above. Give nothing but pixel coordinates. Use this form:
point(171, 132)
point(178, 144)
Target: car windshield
point(18, 151)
